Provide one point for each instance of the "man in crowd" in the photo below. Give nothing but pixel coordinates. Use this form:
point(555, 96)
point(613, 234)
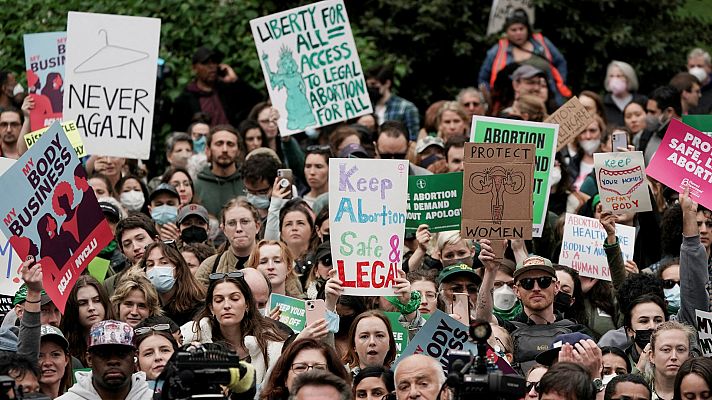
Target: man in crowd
point(179, 149)
point(193, 224)
point(11, 121)
point(220, 181)
point(392, 143)
point(668, 103)
point(133, 234)
point(386, 105)
point(455, 154)
point(567, 381)
point(320, 385)
point(473, 101)
point(689, 88)
point(699, 64)
point(419, 377)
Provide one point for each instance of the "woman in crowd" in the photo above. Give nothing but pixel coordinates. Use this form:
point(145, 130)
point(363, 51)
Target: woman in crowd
point(614, 362)
point(423, 281)
point(533, 377)
point(569, 300)
point(646, 313)
point(301, 356)
point(195, 253)
point(135, 298)
point(274, 259)
point(635, 121)
point(451, 120)
point(670, 346)
point(694, 379)
point(593, 103)
point(669, 273)
point(316, 171)
point(589, 142)
point(373, 383)
point(621, 83)
point(133, 194)
point(452, 249)
point(180, 293)
point(319, 273)
point(371, 342)
point(505, 303)
point(101, 185)
point(54, 362)
point(253, 136)
point(296, 222)
point(180, 179)
point(341, 137)
point(288, 149)
point(155, 345)
point(86, 305)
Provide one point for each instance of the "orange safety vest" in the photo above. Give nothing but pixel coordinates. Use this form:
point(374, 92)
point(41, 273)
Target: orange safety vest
point(500, 61)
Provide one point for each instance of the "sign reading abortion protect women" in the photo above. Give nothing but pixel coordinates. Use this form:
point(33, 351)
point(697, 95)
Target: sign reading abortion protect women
point(367, 203)
point(311, 66)
point(684, 159)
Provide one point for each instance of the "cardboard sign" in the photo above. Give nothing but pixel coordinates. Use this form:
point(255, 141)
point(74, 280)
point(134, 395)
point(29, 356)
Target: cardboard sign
point(44, 62)
point(434, 200)
point(704, 331)
point(572, 118)
point(292, 310)
point(70, 129)
point(498, 179)
point(367, 199)
point(582, 246)
point(544, 137)
point(622, 185)
point(52, 213)
point(111, 76)
point(684, 159)
point(502, 8)
point(400, 334)
point(701, 122)
point(10, 261)
point(311, 66)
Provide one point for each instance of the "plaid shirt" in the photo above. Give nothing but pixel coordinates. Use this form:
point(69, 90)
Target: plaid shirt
point(400, 109)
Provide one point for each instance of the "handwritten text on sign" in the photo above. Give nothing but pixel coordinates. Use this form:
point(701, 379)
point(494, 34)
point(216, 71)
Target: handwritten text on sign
point(367, 199)
point(621, 180)
point(704, 331)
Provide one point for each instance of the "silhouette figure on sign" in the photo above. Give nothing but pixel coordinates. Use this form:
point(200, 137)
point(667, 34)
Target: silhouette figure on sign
point(497, 181)
point(288, 76)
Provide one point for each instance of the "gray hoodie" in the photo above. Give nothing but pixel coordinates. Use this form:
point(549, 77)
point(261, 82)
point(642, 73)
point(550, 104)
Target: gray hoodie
point(84, 389)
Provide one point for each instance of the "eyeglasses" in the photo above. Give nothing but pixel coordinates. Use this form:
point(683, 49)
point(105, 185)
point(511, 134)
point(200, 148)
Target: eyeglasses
point(326, 261)
point(146, 329)
point(531, 385)
point(392, 156)
point(543, 282)
point(300, 368)
point(233, 222)
point(670, 283)
point(7, 125)
point(216, 276)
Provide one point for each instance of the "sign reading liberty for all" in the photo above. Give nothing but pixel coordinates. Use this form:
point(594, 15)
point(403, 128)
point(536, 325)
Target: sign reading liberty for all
point(311, 66)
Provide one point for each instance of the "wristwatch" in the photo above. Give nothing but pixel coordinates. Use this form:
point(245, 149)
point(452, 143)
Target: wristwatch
point(598, 384)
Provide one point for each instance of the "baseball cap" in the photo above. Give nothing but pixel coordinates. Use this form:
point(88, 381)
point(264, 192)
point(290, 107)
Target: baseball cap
point(205, 53)
point(8, 339)
point(428, 141)
point(323, 250)
point(458, 269)
point(111, 332)
point(53, 333)
point(547, 357)
point(353, 150)
point(21, 296)
point(526, 71)
point(192, 209)
point(110, 210)
point(163, 188)
point(534, 263)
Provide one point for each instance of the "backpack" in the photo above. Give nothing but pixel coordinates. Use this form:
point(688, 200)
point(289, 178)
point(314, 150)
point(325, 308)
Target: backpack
point(530, 340)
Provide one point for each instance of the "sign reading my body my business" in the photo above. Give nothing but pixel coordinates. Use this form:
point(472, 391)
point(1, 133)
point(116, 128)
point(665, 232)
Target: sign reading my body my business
point(434, 200)
point(544, 136)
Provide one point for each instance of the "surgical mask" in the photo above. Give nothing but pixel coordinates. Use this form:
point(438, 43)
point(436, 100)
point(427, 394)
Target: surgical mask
point(194, 234)
point(555, 176)
point(608, 378)
point(672, 297)
point(374, 93)
point(164, 214)
point(262, 311)
point(651, 121)
point(161, 276)
point(504, 298)
point(133, 200)
point(642, 337)
point(590, 146)
point(311, 133)
point(562, 302)
point(617, 86)
point(699, 73)
point(199, 144)
point(259, 201)
point(457, 261)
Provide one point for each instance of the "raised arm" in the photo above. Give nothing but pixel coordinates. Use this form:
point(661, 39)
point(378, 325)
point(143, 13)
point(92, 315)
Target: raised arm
point(483, 309)
point(693, 265)
point(613, 249)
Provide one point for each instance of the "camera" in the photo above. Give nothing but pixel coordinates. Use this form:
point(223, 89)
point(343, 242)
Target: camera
point(9, 390)
point(477, 374)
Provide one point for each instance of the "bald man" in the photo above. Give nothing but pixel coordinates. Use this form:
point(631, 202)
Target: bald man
point(260, 286)
point(419, 377)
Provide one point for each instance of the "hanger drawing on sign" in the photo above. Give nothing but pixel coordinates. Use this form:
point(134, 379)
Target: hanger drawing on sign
point(110, 56)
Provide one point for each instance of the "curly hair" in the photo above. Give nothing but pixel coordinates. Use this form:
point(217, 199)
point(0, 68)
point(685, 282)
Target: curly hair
point(671, 231)
point(637, 285)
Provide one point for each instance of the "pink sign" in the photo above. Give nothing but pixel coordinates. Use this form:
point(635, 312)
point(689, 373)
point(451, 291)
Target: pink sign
point(683, 159)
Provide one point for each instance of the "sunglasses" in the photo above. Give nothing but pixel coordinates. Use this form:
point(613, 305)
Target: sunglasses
point(531, 385)
point(146, 329)
point(528, 283)
point(216, 276)
point(471, 104)
point(670, 283)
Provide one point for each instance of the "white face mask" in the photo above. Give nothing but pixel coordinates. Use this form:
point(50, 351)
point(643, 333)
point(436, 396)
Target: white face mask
point(555, 176)
point(590, 146)
point(504, 298)
point(607, 378)
point(699, 73)
point(133, 200)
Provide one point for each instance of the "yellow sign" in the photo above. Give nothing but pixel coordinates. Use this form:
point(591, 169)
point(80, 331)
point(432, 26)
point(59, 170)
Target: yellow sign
point(70, 129)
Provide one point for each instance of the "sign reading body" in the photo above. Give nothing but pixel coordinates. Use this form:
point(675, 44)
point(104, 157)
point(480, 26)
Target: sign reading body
point(572, 118)
point(704, 331)
point(10, 261)
point(622, 185)
point(44, 62)
point(498, 179)
point(434, 200)
point(684, 159)
point(311, 66)
point(544, 137)
point(111, 76)
point(52, 213)
point(582, 246)
point(367, 199)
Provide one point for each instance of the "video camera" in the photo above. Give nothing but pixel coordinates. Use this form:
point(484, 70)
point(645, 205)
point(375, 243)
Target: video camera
point(9, 390)
point(477, 375)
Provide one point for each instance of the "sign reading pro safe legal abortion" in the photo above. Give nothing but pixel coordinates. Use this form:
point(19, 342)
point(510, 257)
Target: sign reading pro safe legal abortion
point(111, 81)
point(367, 203)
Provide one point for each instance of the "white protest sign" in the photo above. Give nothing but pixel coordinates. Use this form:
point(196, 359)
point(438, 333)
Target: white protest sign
point(582, 246)
point(704, 331)
point(502, 8)
point(622, 185)
point(10, 279)
point(311, 66)
point(111, 81)
point(367, 199)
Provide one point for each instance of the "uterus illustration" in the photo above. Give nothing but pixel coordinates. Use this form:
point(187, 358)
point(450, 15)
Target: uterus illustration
point(497, 181)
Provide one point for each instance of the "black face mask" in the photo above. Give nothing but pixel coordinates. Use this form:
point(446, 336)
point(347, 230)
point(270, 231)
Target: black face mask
point(374, 94)
point(325, 238)
point(194, 234)
point(562, 302)
point(642, 337)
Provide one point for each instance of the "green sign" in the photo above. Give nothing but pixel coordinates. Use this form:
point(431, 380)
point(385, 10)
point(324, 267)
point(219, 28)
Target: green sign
point(98, 267)
point(400, 334)
point(434, 200)
point(292, 310)
point(544, 137)
point(702, 122)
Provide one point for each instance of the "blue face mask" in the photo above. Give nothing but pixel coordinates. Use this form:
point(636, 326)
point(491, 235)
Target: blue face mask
point(259, 201)
point(164, 214)
point(672, 297)
point(162, 278)
point(199, 145)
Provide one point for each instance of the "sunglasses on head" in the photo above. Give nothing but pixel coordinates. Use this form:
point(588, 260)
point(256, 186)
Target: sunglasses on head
point(146, 329)
point(216, 276)
point(528, 283)
point(670, 283)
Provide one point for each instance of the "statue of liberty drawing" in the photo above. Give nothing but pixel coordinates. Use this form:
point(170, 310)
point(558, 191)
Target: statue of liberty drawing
point(288, 76)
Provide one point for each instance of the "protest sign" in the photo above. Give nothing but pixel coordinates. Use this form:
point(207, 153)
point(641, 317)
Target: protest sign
point(10, 261)
point(5, 305)
point(572, 119)
point(311, 66)
point(503, 8)
point(44, 62)
point(498, 179)
point(582, 246)
point(52, 213)
point(111, 76)
point(704, 331)
point(292, 312)
point(684, 159)
point(400, 333)
point(543, 135)
point(622, 185)
point(98, 267)
point(367, 199)
point(70, 129)
point(434, 200)
point(701, 122)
